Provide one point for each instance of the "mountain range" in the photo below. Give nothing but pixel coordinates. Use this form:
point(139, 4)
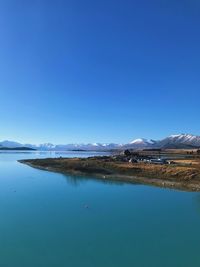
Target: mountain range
point(172, 141)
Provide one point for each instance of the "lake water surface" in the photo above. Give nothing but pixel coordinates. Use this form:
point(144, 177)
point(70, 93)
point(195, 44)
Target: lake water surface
point(50, 219)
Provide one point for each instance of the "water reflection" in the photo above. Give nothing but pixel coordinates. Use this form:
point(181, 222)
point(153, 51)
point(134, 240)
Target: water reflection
point(76, 180)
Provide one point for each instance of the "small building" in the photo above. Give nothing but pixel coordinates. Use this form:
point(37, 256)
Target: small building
point(158, 161)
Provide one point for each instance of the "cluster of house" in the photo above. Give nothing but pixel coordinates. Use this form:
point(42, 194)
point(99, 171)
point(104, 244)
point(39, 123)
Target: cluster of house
point(131, 157)
point(150, 161)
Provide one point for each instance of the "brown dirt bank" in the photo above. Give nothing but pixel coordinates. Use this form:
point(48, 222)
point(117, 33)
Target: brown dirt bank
point(171, 176)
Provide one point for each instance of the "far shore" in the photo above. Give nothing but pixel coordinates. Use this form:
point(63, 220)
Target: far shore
point(184, 175)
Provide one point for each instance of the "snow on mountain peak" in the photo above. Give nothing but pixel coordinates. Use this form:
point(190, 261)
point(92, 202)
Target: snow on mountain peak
point(141, 141)
point(138, 141)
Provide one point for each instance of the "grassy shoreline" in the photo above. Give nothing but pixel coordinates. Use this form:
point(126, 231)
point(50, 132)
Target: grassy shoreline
point(177, 177)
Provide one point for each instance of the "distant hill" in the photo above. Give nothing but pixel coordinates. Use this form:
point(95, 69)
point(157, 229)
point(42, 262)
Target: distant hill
point(17, 148)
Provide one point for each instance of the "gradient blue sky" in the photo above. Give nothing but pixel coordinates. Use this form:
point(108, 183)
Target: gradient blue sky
point(98, 71)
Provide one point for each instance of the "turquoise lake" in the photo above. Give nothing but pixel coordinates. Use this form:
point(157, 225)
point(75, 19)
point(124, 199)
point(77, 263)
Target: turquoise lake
point(50, 219)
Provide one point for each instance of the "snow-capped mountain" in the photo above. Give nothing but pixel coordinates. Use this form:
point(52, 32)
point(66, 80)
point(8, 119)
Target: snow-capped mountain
point(173, 141)
point(93, 146)
point(46, 146)
point(180, 140)
point(52, 147)
point(141, 142)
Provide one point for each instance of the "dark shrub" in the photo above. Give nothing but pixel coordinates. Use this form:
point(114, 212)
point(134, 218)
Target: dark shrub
point(127, 153)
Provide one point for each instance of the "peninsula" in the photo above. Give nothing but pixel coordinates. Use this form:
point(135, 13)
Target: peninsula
point(145, 167)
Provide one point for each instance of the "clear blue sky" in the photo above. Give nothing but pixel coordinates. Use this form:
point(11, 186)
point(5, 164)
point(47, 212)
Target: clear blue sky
point(98, 71)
